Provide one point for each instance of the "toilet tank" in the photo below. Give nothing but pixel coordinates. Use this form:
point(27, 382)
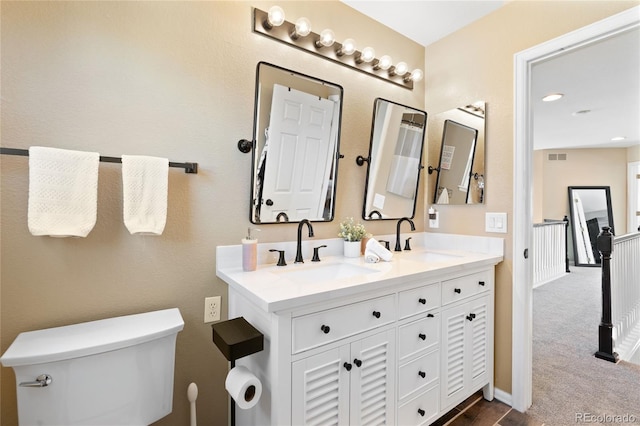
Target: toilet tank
point(115, 371)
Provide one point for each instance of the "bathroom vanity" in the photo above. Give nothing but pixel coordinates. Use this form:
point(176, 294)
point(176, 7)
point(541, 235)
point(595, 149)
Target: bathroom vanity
point(349, 342)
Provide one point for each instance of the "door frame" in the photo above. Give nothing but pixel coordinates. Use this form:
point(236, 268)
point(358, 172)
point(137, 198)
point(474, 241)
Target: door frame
point(522, 308)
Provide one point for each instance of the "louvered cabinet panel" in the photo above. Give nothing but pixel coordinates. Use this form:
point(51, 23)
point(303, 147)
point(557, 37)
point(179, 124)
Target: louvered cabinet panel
point(373, 379)
point(453, 354)
point(479, 342)
point(320, 390)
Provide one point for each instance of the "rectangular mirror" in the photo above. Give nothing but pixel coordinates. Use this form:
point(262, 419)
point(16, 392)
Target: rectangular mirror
point(590, 209)
point(460, 171)
point(296, 144)
point(394, 162)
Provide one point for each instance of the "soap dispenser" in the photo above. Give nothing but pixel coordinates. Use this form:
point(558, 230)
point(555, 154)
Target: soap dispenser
point(250, 251)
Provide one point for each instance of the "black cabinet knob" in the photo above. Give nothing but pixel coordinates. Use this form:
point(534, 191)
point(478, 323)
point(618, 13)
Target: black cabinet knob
point(481, 283)
point(429, 315)
point(357, 362)
point(421, 412)
point(470, 317)
point(269, 202)
point(347, 366)
point(423, 301)
point(376, 314)
point(325, 329)
point(422, 336)
point(422, 374)
point(457, 290)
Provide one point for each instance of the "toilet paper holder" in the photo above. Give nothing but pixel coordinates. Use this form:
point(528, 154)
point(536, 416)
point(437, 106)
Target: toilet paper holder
point(236, 338)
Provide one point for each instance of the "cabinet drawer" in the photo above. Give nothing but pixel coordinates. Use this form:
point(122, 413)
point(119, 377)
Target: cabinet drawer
point(310, 331)
point(418, 300)
point(419, 335)
point(422, 409)
point(467, 286)
point(418, 374)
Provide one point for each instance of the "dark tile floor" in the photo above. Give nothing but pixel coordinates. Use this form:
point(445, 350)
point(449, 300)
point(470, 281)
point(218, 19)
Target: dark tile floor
point(477, 411)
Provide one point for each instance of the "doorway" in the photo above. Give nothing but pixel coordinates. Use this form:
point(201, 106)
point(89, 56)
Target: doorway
point(523, 170)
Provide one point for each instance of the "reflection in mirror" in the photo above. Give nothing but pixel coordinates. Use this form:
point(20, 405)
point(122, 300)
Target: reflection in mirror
point(296, 146)
point(460, 178)
point(590, 208)
point(395, 160)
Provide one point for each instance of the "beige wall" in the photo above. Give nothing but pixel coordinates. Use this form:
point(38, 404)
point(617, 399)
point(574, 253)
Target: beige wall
point(633, 154)
point(583, 167)
point(476, 63)
point(169, 79)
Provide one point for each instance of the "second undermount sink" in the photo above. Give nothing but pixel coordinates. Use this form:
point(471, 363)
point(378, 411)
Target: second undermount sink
point(322, 272)
point(430, 256)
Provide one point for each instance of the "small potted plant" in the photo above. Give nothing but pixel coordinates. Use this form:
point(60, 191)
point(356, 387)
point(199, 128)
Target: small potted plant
point(352, 233)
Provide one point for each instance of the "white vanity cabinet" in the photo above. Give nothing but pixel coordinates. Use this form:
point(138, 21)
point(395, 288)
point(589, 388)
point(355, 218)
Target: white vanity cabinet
point(399, 349)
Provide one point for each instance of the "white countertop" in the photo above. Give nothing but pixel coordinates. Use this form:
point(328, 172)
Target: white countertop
point(276, 288)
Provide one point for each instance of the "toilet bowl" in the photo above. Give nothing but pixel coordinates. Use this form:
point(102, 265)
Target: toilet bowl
point(116, 371)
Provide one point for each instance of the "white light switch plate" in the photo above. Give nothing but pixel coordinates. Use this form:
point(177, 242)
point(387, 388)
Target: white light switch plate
point(496, 222)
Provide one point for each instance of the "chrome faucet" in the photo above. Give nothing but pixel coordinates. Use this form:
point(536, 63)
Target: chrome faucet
point(299, 244)
point(413, 228)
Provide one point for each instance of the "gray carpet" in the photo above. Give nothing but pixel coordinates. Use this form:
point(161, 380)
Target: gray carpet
point(570, 385)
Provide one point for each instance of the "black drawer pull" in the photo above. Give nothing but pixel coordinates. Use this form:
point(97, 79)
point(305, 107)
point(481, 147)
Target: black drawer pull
point(325, 329)
point(457, 290)
point(422, 336)
point(376, 314)
point(429, 315)
point(357, 362)
point(423, 301)
point(421, 412)
point(422, 374)
point(481, 283)
point(470, 317)
point(347, 366)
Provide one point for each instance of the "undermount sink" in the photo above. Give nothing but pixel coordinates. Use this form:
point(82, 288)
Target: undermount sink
point(322, 272)
point(430, 256)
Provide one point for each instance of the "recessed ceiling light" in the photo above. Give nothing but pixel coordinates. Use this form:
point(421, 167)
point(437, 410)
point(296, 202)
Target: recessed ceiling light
point(618, 138)
point(552, 97)
point(581, 112)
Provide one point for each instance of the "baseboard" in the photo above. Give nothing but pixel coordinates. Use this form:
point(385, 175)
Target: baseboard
point(502, 396)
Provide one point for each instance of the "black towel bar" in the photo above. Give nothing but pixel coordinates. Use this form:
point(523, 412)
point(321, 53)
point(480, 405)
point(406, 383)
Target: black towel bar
point(188, 167)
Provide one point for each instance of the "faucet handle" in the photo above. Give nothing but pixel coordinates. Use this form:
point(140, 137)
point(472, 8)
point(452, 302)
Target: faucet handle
point(281, 261)
point(316, 257)
point(386, 243)
point(406, 244)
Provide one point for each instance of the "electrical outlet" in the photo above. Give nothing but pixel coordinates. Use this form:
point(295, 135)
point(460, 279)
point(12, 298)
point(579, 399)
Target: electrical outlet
point(211, 309)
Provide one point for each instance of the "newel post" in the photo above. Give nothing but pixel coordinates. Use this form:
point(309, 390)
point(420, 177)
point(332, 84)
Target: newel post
point(604, 243)
point(566, 243)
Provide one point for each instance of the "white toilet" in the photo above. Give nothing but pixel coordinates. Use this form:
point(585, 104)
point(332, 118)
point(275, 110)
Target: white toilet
point(116, 371)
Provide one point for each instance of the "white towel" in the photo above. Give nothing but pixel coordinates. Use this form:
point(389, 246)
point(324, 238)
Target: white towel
point(378, 249)
point(444, 197)
point(144, 188)
point(371, 257)
point(63, 192)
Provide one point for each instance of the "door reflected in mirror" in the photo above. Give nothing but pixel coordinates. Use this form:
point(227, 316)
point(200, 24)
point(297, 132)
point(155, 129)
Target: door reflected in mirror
point(296, 146)
point(590, 209)
point(459, 135)
point(394, 162)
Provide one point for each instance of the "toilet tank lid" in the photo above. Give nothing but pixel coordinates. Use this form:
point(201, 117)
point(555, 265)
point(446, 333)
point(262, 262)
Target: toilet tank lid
point(89, 338)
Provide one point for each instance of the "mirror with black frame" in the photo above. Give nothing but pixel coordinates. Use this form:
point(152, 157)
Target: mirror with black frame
point(394, 161)
point(590, 209)
point(460, 136)
point(296, 141)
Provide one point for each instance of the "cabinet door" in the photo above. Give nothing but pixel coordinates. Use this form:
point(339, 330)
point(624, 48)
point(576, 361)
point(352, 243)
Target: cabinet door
point(320, 388)
point(373, 380)
point(465, 356)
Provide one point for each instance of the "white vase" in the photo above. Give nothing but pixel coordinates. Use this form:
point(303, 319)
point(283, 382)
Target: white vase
point(352, 248)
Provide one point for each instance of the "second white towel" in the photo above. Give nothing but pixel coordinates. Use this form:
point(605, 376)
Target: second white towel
point(145, 184)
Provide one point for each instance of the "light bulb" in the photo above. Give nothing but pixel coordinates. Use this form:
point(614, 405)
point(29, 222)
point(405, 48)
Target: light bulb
point(302, 29)
point(327, 38)
point(384, 63)
point(275, 17)
point(416, 75)
point(367, 55)
point(348, 47)
point(401, 69)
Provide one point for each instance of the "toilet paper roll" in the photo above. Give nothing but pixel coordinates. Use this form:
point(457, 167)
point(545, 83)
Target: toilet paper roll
point(243, 386)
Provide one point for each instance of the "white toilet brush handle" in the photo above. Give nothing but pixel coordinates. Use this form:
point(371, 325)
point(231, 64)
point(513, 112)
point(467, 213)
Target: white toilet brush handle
point(192, 395)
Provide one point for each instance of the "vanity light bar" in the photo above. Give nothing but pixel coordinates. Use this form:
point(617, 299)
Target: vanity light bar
point(285, 32)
